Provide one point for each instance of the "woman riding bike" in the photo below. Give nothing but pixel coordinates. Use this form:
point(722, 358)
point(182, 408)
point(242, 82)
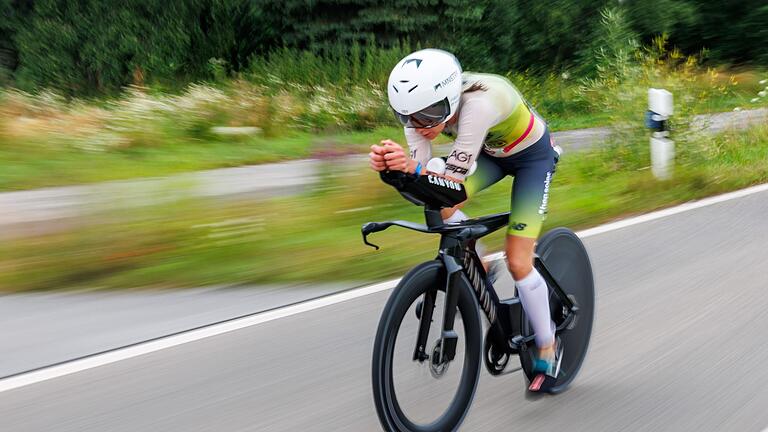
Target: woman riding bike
point(493, 125)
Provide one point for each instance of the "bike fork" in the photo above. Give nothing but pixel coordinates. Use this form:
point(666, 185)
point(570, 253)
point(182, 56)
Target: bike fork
point(425, 320)
point(448, 336)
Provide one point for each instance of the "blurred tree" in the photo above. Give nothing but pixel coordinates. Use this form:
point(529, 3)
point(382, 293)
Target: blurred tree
point(491, 35)
point(324, 24)
point(611, 43)
point(662, 16)
point(551, 32)
point(7, 48)
point(232, 31)
point(13, 12)
point(92, 46)
point(477, 33)
point(88, 45)
point(733, 30)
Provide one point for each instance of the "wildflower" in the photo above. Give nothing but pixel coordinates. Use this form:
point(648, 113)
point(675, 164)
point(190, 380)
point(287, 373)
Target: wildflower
point(762, 93)
point(755, 100)
point(764, 81)
point(737, 109)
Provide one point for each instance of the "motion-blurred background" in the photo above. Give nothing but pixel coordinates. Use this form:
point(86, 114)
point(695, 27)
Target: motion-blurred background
point(94, 92)
point(166, 165)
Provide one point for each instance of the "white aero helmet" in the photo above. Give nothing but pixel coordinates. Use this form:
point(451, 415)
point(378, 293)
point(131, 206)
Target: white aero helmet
point(424, 88)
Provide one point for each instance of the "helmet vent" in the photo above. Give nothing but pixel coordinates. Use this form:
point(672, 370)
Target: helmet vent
point(396, 90)
point(413, 60)
point(412, 88)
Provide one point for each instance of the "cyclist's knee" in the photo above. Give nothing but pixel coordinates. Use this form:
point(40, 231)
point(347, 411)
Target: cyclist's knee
point(446, 213)
point(520, 256)
point(520, 265)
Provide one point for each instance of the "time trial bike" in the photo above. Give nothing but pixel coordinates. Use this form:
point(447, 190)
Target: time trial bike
point(452, 288)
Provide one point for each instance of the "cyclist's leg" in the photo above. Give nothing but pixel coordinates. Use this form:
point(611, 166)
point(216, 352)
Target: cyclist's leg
point(530, 195)
point(487, 173)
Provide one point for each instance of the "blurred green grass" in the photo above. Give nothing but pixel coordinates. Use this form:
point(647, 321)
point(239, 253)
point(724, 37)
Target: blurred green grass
point(29, 165)
point(46, 140)
point(315, 236)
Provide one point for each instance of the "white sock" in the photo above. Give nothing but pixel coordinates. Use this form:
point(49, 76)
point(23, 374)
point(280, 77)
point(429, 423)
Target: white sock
point(456, 217)
point(534, 295)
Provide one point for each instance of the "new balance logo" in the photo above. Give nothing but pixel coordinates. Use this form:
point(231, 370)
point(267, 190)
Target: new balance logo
point(518, 226)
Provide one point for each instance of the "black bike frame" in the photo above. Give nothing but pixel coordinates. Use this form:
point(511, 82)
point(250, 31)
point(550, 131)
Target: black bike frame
point(464, 270)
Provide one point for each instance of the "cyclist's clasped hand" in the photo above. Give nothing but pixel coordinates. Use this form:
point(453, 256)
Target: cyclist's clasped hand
point(389, 156)
point(377, 158)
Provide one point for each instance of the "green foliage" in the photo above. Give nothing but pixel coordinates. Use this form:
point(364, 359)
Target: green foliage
point(620, 88)
point(338, 66)
point(46, 139)
point(662, 16)
point(93, 47)
point(761, 98)
point(732, 30)
point(611, 48)
point(229, 31)
point(7, 52)
point(139, 119)
point(555, 97)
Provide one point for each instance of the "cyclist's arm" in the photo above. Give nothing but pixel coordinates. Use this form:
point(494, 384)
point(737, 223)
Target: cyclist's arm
point(477, 116)
point(419, 147)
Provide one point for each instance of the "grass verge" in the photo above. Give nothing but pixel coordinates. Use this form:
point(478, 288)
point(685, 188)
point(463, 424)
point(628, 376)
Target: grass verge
point(315, 236)
point(48, 141)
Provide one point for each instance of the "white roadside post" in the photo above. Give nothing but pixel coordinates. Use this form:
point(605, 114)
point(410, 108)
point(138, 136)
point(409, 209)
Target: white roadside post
point(662, 148)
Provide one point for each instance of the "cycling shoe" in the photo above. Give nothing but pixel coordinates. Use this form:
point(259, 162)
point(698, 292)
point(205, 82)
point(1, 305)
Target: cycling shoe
point(546, 370)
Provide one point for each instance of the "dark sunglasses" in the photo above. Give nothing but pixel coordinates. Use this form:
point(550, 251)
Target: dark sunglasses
point(427, 118)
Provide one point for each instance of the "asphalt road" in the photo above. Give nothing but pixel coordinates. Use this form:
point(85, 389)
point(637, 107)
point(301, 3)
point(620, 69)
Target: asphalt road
point(46, 210)
point(52, 327)
point(679, 344)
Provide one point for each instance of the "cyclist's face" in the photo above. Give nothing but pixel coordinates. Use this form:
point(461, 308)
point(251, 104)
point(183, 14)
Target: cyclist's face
point(431, 133)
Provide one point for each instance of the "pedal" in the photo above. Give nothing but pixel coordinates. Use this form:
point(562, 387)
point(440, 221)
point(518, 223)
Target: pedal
point(537, 382)
point(518, 343)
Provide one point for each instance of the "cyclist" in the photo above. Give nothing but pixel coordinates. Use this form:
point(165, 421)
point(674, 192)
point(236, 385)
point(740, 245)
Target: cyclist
point(493, 125)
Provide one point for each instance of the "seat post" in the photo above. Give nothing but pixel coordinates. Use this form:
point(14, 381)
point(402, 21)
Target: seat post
point(432, 215)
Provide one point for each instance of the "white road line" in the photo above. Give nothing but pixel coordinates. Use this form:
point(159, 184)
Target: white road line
point(673, 210)
point(36, 376)
point(120, 354)
point(661, 214)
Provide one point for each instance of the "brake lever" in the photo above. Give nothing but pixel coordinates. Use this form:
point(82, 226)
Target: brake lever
point(372, 227)
point(365, 240)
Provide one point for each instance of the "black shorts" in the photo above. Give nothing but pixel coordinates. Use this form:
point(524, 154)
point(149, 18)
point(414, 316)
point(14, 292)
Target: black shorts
point(532, 170)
